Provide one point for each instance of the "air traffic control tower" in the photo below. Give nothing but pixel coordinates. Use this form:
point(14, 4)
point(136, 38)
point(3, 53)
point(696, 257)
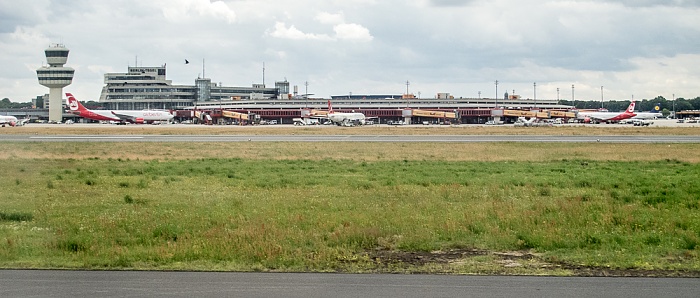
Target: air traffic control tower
point(55, 76)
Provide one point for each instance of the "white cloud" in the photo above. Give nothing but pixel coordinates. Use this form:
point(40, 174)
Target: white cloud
point(282, 31)
point(177, 10)
point(352, 32)
point(330, 18)
point(343, 30)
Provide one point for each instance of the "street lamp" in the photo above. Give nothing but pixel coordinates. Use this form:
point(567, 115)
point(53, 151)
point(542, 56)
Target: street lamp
point(601, 97)
point(557, 94)
point(306, 94)
point(572, 92)
point(479, 94)
point(674, 106)
point(497, 94)
point(534, 95)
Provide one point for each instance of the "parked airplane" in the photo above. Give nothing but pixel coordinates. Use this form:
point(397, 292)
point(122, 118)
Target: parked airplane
point(606, 116)
point(120, 116)
point(8, 120)
point(345, 119)
point(12, 121)
point(653, 114)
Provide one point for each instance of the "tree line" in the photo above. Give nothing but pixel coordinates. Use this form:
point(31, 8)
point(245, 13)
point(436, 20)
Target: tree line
point(645, 105)
point(5, 103)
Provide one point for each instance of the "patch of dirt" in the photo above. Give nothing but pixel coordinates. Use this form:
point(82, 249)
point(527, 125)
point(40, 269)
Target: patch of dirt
point(389, 259)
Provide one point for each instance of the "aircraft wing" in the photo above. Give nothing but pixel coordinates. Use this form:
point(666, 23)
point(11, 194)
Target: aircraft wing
point(125, 117)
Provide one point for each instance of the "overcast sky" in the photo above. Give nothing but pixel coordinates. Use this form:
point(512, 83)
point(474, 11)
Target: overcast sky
point(640, 48)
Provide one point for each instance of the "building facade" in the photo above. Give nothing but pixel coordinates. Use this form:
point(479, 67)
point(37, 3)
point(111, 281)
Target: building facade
point(148, 88)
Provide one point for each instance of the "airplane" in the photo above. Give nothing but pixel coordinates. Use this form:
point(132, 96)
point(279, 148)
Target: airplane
point(119, 116)
point(12, 121)
point(8, 120)
point(344, 119)
point(606, 116)
point(653, 114)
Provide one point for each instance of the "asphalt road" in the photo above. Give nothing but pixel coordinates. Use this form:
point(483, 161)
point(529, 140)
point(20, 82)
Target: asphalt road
point(52, 283)
point(352, 138)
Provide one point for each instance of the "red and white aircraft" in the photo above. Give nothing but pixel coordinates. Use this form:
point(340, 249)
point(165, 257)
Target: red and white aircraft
point(589, 116)
point(120, 116)
point(12, 121)
point(8, 120)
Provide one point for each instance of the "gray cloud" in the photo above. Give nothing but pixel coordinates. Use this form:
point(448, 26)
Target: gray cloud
point(451, 3)
point(369, 46)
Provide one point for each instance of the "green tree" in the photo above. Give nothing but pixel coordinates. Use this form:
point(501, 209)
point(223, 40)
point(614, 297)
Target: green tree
point(665, 112)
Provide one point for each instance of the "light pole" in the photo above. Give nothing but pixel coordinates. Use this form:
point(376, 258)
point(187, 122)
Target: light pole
point(479, 94)
point(572, 92)
point(601, 97)
point(534, 94)
point(497, 94)
point(306, 94)
point(557, 94)
point(674, 106)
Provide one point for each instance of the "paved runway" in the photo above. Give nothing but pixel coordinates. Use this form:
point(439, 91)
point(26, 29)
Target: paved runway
point(52, 283)
point(353, 138)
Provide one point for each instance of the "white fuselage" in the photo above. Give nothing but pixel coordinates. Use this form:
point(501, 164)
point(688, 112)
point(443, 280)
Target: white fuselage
point(647, 115)
point(117, 115)
point(346, 118)
point(608, 116)
point(123, 116)
point(8, 120)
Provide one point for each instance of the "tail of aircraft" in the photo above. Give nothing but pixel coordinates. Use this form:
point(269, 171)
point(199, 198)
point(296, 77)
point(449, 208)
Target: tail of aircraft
point(630, 109)
point(330, 107)
point(74, 104)
point(656, 108)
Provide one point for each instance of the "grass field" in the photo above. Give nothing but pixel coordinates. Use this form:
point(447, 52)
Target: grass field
point(603, 129)
point(510, 208)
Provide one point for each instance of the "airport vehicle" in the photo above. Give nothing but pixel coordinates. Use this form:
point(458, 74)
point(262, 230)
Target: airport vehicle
point(119, 116)
point(596, 117)
point(655, 113)
point(306, 121)
point(641, 122)
point(8, 120)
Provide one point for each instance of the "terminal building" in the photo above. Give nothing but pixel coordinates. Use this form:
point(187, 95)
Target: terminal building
point(148, 88)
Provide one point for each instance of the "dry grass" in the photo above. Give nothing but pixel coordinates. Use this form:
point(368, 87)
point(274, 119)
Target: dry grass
point(355, 151)
point(333, 130)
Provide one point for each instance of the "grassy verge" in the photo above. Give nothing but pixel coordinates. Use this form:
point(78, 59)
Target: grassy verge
point(573, 129)
point(547, 215)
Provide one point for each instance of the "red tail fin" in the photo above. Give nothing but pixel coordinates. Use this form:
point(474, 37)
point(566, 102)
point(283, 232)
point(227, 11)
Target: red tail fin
point(630, 109)
point(330, 107)
point(74, 104)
